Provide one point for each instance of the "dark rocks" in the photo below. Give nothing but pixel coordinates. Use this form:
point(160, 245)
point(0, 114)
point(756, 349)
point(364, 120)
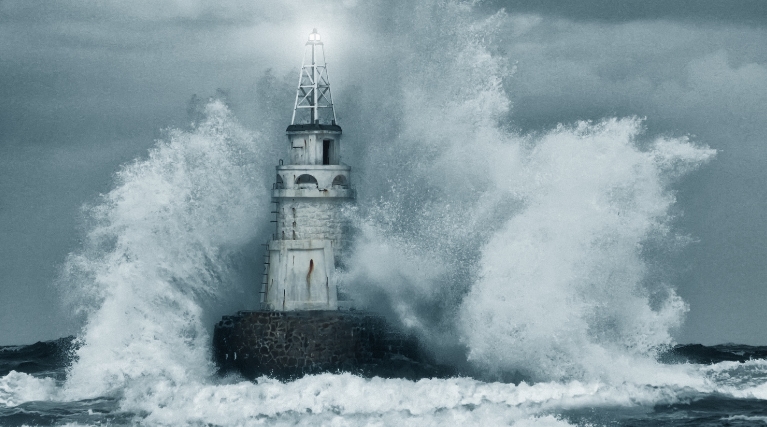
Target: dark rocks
point(291, 344)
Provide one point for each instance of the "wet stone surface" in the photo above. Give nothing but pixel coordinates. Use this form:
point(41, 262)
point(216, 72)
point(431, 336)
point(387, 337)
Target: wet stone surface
point(288, 345)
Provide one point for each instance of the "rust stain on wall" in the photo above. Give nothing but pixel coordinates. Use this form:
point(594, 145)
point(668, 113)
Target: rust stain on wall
point(309, 275)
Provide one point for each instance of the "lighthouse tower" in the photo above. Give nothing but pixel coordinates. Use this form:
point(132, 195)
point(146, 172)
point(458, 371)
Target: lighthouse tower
point(309, 194)
point(299, 329)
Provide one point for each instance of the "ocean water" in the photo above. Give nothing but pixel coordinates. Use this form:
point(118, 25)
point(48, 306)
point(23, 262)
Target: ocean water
point(529, 261)
point(697, 385)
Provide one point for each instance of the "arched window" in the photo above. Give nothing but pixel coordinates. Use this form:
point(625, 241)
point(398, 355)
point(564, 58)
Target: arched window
point(306, 181)
point(340, 182)
point(280, 184)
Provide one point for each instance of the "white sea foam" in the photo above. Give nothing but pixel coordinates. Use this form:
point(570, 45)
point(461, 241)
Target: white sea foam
point(560, 289)
point(350, 400)
point(18, 387)
point(159, 247)
point(525, 249)
point(746, 380)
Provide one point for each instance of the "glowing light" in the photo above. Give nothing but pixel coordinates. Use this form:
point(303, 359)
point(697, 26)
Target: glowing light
point(314, 36)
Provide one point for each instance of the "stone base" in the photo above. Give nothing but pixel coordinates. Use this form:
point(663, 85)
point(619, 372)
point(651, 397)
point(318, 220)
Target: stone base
point(291, 344)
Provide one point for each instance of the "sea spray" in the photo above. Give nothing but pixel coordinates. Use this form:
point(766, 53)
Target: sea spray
point(525, 249)
point(560, 291)
point(159, 245)
point(18, 387)
point(348, 400)
point(559, 288)
point(424, 205)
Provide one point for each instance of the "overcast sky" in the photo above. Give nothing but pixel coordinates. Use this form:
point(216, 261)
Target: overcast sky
point(88, 85)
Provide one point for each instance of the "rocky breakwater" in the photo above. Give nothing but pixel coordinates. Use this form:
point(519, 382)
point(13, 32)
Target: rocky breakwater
point(290, 344)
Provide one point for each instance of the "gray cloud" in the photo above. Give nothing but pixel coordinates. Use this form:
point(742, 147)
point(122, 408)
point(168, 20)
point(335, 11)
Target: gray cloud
point(750, 12)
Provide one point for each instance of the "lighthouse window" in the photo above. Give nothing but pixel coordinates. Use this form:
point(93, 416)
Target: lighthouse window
point(306, 181)
point(339, 181)
point(326, 151)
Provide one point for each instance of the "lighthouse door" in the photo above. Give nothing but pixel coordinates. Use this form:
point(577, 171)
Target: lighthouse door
point(326, 144)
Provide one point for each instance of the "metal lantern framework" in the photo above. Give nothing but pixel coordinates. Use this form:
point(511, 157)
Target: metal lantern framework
point(313, 84)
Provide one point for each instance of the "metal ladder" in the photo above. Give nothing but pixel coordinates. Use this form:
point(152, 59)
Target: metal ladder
point(267, 260)
point(265, 277)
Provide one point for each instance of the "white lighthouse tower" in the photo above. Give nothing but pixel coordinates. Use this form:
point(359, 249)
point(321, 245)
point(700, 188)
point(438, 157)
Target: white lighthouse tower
point(309, 194)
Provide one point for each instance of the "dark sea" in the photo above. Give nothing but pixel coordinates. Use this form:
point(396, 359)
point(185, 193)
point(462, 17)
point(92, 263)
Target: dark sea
point(723, 385)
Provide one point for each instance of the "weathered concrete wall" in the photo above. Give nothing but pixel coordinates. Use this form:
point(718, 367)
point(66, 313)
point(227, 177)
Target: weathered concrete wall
point(300, 276)
point(313, 219)
point(291, 344)
point(306, 148)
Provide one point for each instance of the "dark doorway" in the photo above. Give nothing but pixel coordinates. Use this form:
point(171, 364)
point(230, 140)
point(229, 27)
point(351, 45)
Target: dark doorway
point(326, 152)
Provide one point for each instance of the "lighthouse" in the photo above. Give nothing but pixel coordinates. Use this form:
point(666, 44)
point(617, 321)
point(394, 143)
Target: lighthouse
point(298, 328)
point(309, 194)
